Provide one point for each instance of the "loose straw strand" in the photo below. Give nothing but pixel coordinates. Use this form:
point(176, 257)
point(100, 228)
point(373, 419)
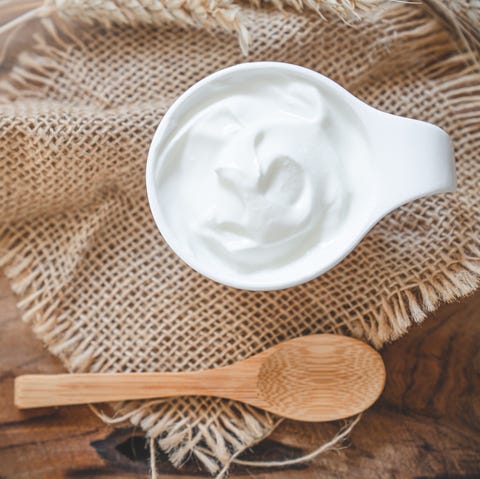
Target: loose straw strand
point(21, 19)
point(9, 6)
point(267, 433)
point(343, 434)
point(119, 419)
point(153, 459)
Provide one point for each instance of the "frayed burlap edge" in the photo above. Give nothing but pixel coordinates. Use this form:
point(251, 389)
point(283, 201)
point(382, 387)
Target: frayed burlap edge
point(33, 73)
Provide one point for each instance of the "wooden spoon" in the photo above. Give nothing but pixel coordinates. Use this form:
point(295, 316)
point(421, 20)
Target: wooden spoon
point(320, 377)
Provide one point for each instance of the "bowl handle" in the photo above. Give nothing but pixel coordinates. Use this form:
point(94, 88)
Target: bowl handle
point(413, 158)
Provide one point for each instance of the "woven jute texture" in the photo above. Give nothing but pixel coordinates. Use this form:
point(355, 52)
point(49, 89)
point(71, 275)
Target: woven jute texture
point(95, 279)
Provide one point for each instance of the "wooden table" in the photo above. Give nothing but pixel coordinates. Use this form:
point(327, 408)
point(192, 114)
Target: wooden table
point(426, 424)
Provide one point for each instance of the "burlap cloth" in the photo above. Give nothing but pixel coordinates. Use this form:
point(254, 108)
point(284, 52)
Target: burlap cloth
point(93, 275)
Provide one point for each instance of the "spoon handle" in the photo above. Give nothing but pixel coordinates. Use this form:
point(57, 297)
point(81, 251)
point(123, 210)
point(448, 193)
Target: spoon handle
point(41, 390)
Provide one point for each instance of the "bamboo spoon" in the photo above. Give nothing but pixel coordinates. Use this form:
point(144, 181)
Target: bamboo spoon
point(320, 377)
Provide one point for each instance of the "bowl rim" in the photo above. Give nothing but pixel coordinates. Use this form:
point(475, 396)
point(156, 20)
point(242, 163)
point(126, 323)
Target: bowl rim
point(277, 282)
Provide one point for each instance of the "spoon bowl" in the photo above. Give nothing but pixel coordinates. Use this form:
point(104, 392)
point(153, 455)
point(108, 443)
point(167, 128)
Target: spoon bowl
point(320, 377)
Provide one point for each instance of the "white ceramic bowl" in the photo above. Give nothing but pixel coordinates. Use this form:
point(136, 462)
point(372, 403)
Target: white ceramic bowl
point(409, 159)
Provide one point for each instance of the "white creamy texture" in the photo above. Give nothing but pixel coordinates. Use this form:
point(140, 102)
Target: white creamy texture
point(260, 174)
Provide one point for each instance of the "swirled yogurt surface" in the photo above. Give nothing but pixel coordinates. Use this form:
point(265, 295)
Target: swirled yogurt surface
point(259, 172)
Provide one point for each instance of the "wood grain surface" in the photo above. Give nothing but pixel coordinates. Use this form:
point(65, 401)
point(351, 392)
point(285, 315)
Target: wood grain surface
point(425, 425)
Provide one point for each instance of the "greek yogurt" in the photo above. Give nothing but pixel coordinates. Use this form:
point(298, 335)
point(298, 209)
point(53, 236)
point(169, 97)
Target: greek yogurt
point(260, 173)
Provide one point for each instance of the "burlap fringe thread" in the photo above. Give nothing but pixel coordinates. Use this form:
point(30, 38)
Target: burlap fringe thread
point(457, 279)
point(333, 444)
